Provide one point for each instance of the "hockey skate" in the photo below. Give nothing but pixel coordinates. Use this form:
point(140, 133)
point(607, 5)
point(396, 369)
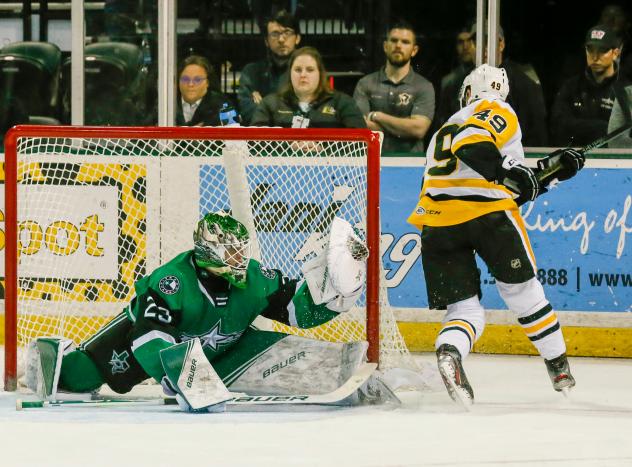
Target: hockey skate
point(560, 374)
point(451, 370)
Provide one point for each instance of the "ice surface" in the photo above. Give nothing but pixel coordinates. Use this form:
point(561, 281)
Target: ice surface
point(517, 420)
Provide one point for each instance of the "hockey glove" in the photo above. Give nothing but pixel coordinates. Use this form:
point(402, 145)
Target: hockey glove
point(521, 180)
point(562, 163)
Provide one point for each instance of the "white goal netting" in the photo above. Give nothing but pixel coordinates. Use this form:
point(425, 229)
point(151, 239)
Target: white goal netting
point(96, 214)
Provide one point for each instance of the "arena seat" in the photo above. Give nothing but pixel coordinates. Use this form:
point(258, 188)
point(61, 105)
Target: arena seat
point(115, 82)
point(30, 72)
point(41, 120)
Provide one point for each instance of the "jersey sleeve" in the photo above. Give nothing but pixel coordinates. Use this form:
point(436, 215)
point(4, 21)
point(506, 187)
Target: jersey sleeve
point(291, 303)
point(154, 329)
point(490, 123)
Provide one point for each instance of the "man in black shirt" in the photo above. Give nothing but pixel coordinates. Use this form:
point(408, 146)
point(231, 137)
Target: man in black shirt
point(583, 104)
point(258, 79)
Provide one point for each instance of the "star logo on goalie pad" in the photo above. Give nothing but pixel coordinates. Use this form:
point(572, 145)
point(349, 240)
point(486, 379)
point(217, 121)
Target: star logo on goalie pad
point(119, 362)
point(214, 338)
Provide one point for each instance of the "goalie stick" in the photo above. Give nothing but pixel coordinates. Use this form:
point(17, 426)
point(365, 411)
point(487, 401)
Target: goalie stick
point(337, 396)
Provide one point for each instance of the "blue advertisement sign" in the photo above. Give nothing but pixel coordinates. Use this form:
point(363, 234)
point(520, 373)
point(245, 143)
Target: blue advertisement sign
point(581, 233)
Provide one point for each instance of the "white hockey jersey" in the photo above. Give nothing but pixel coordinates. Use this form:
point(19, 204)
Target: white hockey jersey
point(453, 192)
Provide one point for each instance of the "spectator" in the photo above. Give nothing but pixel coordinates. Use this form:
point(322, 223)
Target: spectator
point(200, 103)
point(620, 116)
point(616, 18)
point(259, 79)
point(451, 83)
point(525, 95)
point(583, 104)
point(395, 99)
point(306, 100)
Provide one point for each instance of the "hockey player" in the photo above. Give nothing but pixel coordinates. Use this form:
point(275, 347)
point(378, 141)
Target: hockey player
point(199, 308)
point(474, 181)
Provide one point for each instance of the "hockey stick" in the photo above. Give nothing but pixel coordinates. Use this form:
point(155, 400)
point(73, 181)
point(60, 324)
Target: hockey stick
point(362, 374)
point(543, 174)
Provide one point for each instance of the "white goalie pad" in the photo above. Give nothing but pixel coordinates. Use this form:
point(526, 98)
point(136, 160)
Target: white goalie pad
point(298, 365)
point(337, 274)
point(192, 376)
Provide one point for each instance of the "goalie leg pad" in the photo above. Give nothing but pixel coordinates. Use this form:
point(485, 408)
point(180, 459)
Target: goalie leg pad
point(44, 365)
point(295, 365)
point(192, 376)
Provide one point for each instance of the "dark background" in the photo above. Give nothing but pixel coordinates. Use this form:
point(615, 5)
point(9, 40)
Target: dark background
point(548, 34)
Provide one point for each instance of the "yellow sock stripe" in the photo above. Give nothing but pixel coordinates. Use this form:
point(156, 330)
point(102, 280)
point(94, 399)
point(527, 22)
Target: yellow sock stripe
point(547, 322)
point(462, 326)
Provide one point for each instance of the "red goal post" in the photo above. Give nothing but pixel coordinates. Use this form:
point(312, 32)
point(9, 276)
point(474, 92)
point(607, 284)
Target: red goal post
point(54, 150)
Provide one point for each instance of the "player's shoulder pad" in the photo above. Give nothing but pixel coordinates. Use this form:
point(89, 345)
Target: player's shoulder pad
point(169, 278)
point(495, 116)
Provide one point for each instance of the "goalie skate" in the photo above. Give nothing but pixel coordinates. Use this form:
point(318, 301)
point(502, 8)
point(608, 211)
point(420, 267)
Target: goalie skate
point(453, 375)
point(560, 373)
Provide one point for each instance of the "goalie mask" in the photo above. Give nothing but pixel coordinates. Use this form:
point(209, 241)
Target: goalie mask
point(222, 246)
point(484, 81)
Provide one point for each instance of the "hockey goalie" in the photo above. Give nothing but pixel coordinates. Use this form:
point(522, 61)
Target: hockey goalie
point(189, 326)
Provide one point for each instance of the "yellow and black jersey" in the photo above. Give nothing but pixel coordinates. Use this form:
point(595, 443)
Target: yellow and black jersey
point(462, 162)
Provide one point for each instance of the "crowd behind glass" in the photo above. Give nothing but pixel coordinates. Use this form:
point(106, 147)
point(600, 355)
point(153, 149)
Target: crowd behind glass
point(291, 87)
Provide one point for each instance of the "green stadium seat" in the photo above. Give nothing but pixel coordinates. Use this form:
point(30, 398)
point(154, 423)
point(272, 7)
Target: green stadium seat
point(30, 71)
point(115, 81)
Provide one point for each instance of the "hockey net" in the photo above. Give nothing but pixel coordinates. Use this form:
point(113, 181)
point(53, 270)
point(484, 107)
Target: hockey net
point(91, 210)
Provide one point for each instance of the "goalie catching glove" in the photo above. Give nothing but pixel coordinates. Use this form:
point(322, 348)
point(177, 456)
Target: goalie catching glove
point(337, 274)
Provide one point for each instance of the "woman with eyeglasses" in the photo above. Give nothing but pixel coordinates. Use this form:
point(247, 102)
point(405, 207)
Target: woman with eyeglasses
point(200, 103)
point(306, 100)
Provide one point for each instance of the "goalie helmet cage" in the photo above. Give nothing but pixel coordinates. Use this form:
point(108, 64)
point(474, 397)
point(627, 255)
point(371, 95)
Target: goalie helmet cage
point(89, 210)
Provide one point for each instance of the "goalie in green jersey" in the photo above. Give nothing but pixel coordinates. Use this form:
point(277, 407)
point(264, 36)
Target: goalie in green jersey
point(210, 296)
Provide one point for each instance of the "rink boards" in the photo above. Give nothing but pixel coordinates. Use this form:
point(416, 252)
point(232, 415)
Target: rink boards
point(581, 232)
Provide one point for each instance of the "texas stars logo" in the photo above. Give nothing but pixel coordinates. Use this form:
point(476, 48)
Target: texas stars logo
point(119, 362)
point(214, 338)
point(169, 285)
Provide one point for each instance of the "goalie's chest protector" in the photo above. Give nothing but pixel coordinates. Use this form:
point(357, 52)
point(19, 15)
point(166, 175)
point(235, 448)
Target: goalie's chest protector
point(217, 317)
point(453, 192)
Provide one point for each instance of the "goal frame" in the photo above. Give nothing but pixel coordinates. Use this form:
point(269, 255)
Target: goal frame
point(372, 139)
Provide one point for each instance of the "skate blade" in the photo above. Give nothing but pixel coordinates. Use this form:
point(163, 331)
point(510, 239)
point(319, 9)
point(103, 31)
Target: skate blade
point(566, 392)
point(457, 393)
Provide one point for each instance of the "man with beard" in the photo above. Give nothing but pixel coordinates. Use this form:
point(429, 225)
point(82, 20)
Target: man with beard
point(258, 79)
point(583, 104)
point(395, 99)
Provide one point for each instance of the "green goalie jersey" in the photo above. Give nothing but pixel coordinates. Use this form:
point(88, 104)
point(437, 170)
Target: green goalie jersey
point(180, 301)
